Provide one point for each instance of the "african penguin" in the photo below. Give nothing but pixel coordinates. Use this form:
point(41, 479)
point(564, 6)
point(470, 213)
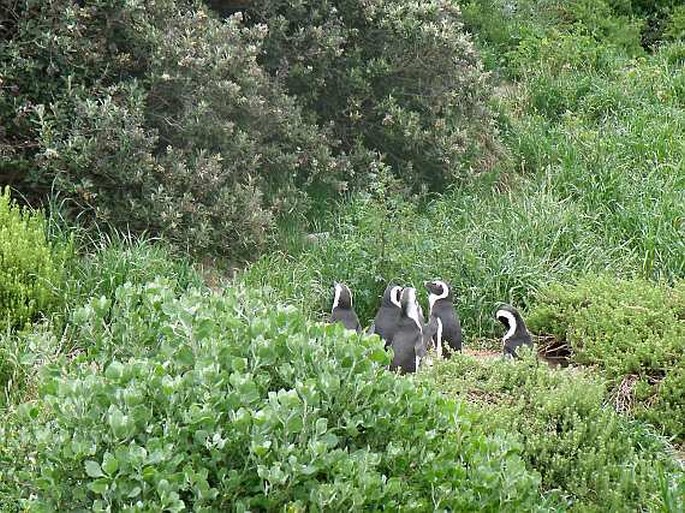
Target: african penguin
point(517, 335)
point(441, 307)
point(407, 342)
point(388, 316)
point(342, 310)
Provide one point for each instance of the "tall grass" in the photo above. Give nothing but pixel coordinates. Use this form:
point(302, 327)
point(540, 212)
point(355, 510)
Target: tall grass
point(595, 181)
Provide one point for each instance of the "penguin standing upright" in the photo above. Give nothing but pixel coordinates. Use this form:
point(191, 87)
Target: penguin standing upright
point(342, 310)
point(517, 334)
point(407, 342)
point(388, 316)
point(442, 313)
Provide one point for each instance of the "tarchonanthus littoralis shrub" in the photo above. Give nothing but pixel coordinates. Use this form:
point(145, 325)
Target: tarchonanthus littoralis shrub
point(395, 77)
point(163, 117)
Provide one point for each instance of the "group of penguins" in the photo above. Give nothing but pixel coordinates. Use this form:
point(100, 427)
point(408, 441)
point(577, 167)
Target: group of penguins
point(401, 324)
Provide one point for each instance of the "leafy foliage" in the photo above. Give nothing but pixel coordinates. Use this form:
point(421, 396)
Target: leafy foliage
point(161, 117)
point(399, 78)
point(625, 327)
point(234, 403)
point(589, 457)
point(156, 117)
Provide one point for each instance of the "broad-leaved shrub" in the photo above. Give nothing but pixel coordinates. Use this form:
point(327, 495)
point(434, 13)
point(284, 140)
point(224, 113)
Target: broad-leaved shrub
point(396, 77)
point(156, 117)
point(234, 403)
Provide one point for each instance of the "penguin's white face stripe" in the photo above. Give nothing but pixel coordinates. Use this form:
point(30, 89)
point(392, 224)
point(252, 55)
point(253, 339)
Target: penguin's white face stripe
point(395, 296)
point(336, 297)
point(413, 307)
point(432, 298)
point(511, 320)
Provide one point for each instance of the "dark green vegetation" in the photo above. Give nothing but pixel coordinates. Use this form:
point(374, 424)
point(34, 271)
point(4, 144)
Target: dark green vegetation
point(162, 117)
point(558, 185)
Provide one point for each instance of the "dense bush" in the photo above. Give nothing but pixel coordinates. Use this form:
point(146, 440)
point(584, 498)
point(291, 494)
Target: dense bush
point(155, 117)
point(229, 402)
point(591, 458)
point(30, 266)
point(396, 77)
point(625, 327)
point(159, 116)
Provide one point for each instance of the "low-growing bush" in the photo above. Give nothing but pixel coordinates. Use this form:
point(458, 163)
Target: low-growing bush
point(236, 403)
point(30, 266)
point(589, 457)
point(626, 328)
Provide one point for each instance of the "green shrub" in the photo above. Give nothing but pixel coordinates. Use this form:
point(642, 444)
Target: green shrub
point(399, 78)
point(30, 266)
point(589, 457)
point(156, 117)
point(624, 327)
point(239, 404)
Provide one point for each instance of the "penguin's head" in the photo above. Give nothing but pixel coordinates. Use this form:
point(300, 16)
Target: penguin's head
point(511, 319)
point(438, 289)
point(410, 307)
point(342, 297)
point(391, 296)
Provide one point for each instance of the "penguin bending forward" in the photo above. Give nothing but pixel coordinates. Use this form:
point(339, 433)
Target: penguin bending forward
point(407, 342)
point(517, 334)
point(388, 316)
point(441, 309)
point(342, 310)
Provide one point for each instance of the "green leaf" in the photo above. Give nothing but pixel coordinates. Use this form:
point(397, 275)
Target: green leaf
point(99, 486)
point(93, 469)
point(110, 463)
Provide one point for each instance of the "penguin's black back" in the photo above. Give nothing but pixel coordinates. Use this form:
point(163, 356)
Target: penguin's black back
point(347, 318)
point(451, 327)
point(342, 310)
point(387, 319)
point(520, 337)
point(405, 343)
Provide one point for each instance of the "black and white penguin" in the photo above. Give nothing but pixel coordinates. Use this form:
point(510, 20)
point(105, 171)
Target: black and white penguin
point(441, 307)
point(517, 334)
point(407, 343)
point(342, 310)
point(388, 316)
